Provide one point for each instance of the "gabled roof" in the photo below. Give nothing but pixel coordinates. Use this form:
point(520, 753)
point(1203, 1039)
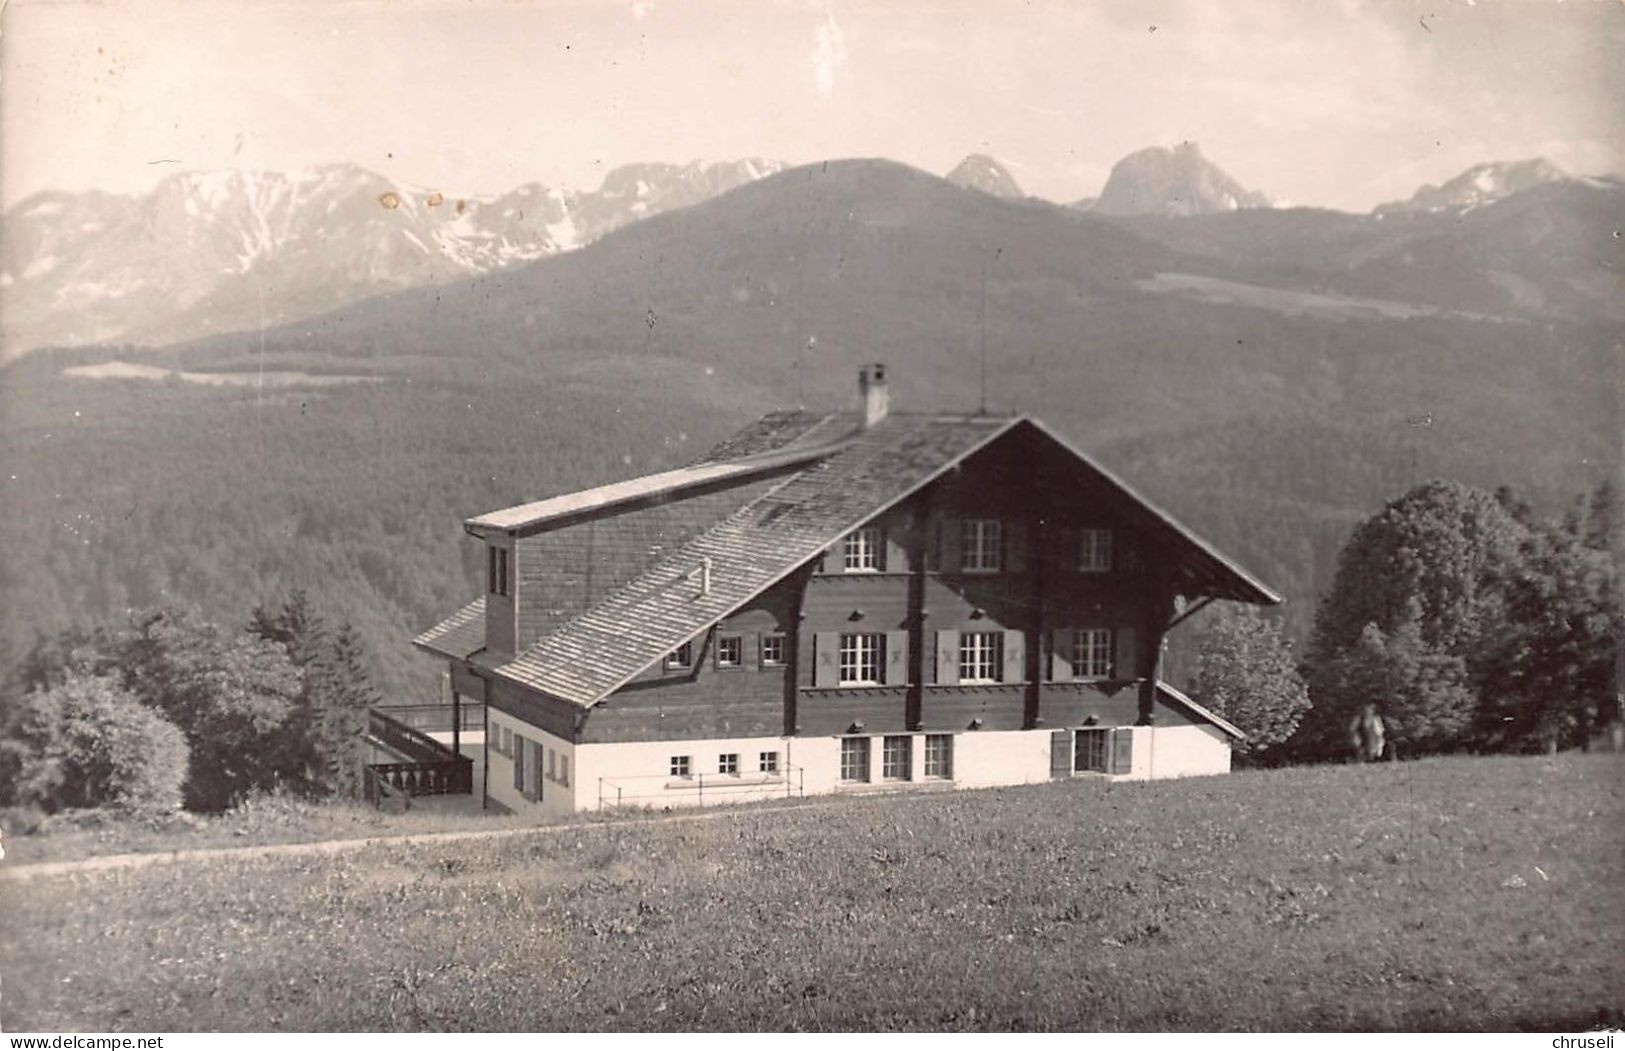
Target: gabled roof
point(831, 487)
point(1208, 570)
point(1179, 700)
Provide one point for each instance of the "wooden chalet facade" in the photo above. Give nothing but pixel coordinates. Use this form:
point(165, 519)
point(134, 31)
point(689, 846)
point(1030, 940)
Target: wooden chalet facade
point(836, 602)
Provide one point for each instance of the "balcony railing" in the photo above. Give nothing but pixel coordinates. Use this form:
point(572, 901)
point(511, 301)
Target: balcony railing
point(435, 718)
point(447, 778)
point(429, 768)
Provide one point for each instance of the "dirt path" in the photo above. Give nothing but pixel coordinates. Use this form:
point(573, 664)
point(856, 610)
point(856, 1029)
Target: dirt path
point(108, 862)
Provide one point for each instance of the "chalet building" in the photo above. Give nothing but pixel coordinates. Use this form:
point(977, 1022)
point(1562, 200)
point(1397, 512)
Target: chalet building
point(836, 602)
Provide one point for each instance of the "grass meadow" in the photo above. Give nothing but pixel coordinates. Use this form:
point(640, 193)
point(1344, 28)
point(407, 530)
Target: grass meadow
point(1442, 894)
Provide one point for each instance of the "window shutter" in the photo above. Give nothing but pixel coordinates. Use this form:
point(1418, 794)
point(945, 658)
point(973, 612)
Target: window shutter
point(895, 559)
point(1015, 546)
point(826, 658)
point(948, 557)
point(895, 670)
point(947, 657)
point(1123, 750)
point(1063, 548)
point(519, 763)
point(1060, 753)
point(1060, 655)
point(1126, 665)
point(1015, 656)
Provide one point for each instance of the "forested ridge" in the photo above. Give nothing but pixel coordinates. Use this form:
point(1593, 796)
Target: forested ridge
point(1272, 433)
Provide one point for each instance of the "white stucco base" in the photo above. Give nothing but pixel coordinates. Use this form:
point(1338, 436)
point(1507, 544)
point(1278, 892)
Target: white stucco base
point(639, 773)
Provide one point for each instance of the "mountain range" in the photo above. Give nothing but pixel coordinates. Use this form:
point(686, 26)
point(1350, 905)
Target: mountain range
point(1270, 375)
point(216, 252)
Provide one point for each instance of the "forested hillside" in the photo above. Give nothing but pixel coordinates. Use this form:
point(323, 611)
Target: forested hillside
point(1270, 430)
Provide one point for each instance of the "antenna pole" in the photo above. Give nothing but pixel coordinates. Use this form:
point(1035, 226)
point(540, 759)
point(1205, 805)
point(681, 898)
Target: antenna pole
point(981, 405)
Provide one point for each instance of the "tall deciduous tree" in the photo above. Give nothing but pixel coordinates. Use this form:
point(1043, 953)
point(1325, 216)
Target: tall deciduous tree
point(1550, 675)
point(1421, 588)
point(230, 693)
point(1245, 672)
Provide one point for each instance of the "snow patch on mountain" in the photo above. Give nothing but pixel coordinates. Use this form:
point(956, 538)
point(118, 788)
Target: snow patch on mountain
point(100, 266)
point(1479, 185)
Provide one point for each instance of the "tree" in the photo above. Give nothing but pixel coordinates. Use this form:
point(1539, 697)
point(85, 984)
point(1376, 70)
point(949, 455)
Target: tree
point(1436, 555)
point(1550, 673)
point(324, 738)
point(345, 694)
point(1420, 590)
point(88, 742)
point(1245, 672)
point(229, 693)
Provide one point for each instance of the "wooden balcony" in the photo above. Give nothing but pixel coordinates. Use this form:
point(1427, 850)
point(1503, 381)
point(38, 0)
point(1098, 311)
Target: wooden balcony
point(426, 767)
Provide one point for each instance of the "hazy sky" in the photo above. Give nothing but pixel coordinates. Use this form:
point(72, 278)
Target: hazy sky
point(1330, 102)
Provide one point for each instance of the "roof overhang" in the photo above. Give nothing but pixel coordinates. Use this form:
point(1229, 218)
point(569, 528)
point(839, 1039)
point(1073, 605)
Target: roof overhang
point(1214, 574)
point(1180, 700)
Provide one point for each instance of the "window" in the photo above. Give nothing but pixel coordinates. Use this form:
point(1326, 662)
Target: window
point(980, 541)
point(496, 570)
point(1089, 753)
point(939, 755)
point(730, 651)
point(854, 759)
point(862, 550)
point(728, 763)
point(681, 658)
point(1092, 653)
point(981, 656)
point(679, 766)
point(768, 762)
point(860, 659)
point(552, 765)
point(507, 741)
point(896, 758)
point(1095, 551)
point(772, 650)
point(564, 769)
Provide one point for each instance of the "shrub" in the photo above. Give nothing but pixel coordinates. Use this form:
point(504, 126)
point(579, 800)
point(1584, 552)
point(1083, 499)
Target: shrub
point(1246, 673)
point(87, 742)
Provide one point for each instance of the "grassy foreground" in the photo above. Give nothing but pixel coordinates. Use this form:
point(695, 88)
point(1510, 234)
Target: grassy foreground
point(1440, 894)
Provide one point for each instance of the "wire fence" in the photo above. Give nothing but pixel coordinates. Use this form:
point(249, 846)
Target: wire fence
point(661, 790)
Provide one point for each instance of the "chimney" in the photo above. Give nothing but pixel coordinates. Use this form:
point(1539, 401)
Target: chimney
point(872, 389)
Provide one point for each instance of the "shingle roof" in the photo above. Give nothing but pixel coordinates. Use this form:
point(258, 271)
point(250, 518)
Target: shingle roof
point(458, 635)
point(600, 651)
point(710, 473)
point(840, 478)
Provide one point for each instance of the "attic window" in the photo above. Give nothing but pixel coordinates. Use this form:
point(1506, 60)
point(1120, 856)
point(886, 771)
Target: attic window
point(496, 570)
point(1095, 551)
point(862, 550)
point(681, 658)
point(981, 545)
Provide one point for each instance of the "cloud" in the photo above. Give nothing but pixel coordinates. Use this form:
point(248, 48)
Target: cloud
point(829, 54)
